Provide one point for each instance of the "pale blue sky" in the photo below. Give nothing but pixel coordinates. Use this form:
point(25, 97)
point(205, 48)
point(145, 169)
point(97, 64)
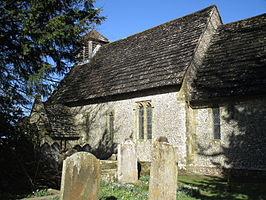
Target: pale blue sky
point(126, 17)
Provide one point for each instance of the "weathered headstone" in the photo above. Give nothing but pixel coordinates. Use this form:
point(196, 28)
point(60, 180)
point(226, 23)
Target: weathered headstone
point(163, 172)
point(80, 177)
point(127, 162)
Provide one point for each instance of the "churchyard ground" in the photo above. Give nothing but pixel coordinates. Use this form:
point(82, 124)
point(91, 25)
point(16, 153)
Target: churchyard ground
point(190, 188)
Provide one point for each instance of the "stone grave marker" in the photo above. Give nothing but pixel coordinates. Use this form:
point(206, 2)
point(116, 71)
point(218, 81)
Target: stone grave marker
point(80, 177)
point(163, 172)
point(127, 162)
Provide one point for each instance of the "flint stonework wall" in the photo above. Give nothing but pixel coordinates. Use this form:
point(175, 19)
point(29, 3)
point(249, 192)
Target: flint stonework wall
point(168, 119)
point(242, 143)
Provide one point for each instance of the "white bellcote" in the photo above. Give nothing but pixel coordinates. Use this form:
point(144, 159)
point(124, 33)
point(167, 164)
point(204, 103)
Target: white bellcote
point(90, 45)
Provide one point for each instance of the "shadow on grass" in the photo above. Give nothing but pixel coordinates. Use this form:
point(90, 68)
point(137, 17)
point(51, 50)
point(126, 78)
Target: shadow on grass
point(219, 189)
point(110, 198)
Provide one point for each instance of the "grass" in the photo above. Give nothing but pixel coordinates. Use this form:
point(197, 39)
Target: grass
point(38, 193)
point(113, 191)
point(218, 188)
point(189, 188)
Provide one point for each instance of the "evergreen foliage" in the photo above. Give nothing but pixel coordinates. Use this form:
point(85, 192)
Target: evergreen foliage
point(39, 41)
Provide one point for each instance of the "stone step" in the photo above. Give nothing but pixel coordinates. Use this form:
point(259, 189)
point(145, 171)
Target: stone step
point(109, 171)
point(108, 164)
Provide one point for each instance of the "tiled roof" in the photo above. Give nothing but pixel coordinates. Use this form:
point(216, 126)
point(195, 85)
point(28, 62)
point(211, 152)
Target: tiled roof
point(154, 58)
point(61, 121)
point(235, 63)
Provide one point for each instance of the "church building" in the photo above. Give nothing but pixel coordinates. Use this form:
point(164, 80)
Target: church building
point(194, 80)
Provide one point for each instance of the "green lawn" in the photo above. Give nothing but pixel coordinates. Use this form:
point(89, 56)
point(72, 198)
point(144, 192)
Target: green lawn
point(191, 188)
point(219, 189)
point(112, 191)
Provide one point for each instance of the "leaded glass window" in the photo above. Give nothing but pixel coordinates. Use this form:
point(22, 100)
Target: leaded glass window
point(216, 123)
point(141, 121)
point(111, 125)
point(149, 121)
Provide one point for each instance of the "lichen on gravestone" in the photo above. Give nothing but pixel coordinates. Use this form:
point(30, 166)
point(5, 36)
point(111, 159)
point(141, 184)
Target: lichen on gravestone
point(80, 177)
point(127, 162)
point(163, 172)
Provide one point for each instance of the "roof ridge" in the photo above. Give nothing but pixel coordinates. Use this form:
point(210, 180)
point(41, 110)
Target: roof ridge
point(196, 54)
point(246, 19)
point(96, 35)
point(168, 22)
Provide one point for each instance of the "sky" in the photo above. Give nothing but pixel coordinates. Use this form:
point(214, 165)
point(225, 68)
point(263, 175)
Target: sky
point(127, 17)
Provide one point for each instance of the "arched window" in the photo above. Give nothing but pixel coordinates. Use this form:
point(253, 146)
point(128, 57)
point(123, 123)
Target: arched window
point(111, 125)
point(141, 121)
point(144, 119)
point(149, 121)
point(216, 123)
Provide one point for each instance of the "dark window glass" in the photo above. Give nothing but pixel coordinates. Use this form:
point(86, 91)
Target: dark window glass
point(111, 125)
point(216, 123)
point(149, 121)
point(141, 122)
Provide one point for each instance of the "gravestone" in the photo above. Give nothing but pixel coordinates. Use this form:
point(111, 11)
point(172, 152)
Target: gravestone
point(163, 172)
point(80, 177)
point(127, 162)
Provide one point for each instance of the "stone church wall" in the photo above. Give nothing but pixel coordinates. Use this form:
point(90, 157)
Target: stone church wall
point(168, 119)
point(242, 144)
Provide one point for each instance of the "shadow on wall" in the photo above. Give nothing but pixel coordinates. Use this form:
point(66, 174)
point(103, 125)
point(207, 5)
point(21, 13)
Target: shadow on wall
point(53, 157)
point(96, 131)
point(103, 151)
point(99, 129)
point(98, 139)
point(243, 128)
point(52, 154)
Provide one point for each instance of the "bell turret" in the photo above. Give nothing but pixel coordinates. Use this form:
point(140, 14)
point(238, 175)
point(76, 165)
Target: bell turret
point(91, 43)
